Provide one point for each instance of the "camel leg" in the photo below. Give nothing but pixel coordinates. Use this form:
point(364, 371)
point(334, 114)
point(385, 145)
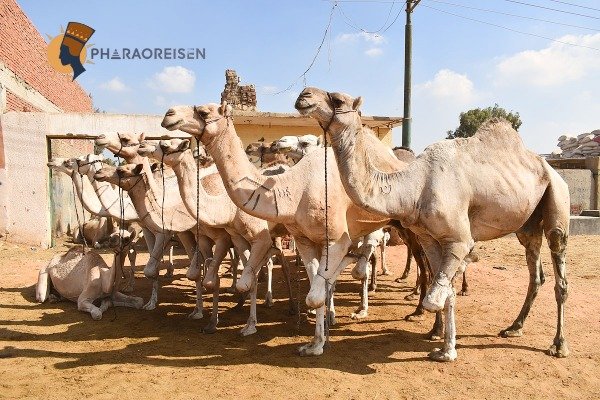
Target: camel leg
point(122, 300)
point(153, 301)
point(42, 289)
point(464, 291)
point(189, 242)
point(211, 278)
point(198, 309)
point(204, 247)
point(448, 352)
point(409, 256)
point(308, 251)
point(129, 273)
point(91, 292)
point(382, 248)
point(269, 295)
point(250, 327)
point(437, 331)
point(260, 252)
point(421, 286)
point(170, 262)
point(373, 278)
point(363, 310)
point(317, 296)
point(161, 242)
point(285, 267)
point(557, 241)
point(242, 248)
point(211, 327)
point(530, 236)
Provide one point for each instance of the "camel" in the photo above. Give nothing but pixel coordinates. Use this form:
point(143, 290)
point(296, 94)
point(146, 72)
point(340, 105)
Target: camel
point(457, 192)
point(86, 278)
point(91, 203)
point(266, 154)
point(213, 207)
point(294, 198)
point(94, 232)
point(296, 147)
point(125, 145)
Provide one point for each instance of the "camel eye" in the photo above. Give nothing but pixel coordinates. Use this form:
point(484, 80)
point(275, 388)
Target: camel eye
point(337, 102)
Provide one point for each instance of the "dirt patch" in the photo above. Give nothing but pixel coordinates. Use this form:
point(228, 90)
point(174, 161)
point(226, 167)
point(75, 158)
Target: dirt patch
point(55, 351)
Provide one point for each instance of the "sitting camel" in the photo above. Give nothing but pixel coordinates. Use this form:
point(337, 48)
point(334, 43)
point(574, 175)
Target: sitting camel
point(86, 278)
point(296, 147)
point(455, 193)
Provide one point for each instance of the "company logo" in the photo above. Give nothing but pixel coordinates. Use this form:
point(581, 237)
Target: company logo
point(67, 52)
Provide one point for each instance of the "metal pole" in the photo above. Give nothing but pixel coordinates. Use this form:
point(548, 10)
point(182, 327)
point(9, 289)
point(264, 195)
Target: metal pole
point(406, 131)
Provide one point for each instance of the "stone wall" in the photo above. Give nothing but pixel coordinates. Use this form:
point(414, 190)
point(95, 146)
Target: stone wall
point(581, 188)
point(241, 97)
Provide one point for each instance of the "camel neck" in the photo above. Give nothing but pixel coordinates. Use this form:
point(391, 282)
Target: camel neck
point(86, 195)
point(111, 201)
point(210, 210)
point(372, 176)
point(271, 198)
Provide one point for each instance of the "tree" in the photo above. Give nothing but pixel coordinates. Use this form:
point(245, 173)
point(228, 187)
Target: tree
point(471, 120)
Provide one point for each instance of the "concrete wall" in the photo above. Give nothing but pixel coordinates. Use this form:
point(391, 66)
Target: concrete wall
point(24, 193)
point(581, 188)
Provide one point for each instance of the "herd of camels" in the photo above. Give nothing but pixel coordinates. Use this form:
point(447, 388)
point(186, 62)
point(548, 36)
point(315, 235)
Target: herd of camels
point(334, 201)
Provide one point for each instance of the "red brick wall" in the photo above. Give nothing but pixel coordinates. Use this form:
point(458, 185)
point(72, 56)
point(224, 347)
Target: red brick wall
point(23, 50)
point(14, 103)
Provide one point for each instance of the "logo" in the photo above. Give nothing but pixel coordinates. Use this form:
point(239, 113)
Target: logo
point(67, 52)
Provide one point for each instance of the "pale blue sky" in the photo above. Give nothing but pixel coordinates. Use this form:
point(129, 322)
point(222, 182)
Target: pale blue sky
point(457, 63)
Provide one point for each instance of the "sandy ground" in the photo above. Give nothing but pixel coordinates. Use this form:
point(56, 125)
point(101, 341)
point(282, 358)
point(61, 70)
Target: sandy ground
point(54, 351)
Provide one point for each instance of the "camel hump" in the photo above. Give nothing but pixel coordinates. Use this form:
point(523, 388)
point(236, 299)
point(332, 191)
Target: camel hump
point(499, 130)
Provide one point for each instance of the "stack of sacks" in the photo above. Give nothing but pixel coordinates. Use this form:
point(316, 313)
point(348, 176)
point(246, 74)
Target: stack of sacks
point(584, 145)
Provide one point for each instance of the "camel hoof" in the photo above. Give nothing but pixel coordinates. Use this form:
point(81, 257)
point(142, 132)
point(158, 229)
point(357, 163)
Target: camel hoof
point(331, 318)
point(210, 328)
point(442, 356)
point(193, 274)
point(96, 314)
point(196, 314)
point(151, 273)
point(169, 274)
point(149, 306)
point(507, 333)
point(248, 330)
point(410, 297)
point(415, 317)
point(310, 349)
point(385, 272)
point(559, 349)
point(463, 293)
point(293, 309)
point(372, 287)
point(359, 314)
point(231, 290)
point(269, 300)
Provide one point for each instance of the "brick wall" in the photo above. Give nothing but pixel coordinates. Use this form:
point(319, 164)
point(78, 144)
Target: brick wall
point(14, 103)
point(23, 50)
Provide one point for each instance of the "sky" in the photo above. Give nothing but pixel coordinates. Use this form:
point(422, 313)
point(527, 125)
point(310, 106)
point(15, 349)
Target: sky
point(463, 58)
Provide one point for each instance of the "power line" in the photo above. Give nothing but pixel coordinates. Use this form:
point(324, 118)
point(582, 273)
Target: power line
point(575, 5)
point(552, 9)
point(510, 29)
point(353, 25)
point(303, 75)
point(513, 15)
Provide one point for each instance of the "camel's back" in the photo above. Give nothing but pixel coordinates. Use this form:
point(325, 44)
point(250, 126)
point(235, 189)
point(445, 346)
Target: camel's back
point(70, 275)
point(491, 174)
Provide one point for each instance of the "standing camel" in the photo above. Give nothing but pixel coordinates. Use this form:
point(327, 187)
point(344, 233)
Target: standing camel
point(295, 198)
point(457, 192)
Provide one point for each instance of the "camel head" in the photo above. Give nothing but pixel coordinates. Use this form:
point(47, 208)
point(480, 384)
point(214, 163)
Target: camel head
point(150, 148)
point(120, 240)
point(296, 147)
point(89, 164)
point(120, 144)
point(205, 121)
point(329, 109)
point(125, 176)
point(65, 165)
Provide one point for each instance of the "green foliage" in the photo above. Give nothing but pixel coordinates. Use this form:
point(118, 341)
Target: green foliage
point(471, 120)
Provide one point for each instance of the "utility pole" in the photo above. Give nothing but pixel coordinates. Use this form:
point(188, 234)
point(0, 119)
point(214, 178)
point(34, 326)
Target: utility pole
point(406, 122)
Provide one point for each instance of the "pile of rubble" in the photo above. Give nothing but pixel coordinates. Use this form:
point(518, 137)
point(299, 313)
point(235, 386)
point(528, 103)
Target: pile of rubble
point(584, 145)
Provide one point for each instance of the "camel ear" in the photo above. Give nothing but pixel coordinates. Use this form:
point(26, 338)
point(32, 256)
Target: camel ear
point(184, 145)
point(357, 103)
point(225, 109)
point(142, 137)
point(138, 169)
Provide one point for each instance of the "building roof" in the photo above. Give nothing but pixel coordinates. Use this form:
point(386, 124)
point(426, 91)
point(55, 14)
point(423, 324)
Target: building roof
point(294, 119)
